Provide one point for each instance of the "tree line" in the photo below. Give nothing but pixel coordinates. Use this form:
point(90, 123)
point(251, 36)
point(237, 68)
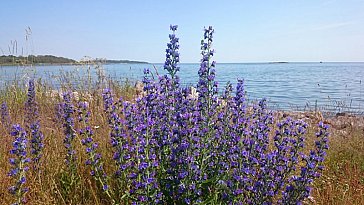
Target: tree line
point(32, 59)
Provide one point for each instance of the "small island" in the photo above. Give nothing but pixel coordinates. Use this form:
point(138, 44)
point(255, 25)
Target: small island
point(278, 62)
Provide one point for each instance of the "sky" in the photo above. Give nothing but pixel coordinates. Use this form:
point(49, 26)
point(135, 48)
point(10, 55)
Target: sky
point(245, 31)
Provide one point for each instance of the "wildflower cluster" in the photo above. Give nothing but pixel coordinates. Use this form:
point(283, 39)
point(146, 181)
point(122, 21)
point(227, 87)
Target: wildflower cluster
point(33, 124)
point(18, 162)
point(176, 149)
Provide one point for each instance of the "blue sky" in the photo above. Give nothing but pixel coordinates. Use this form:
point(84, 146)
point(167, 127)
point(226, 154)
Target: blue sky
point(245, 31)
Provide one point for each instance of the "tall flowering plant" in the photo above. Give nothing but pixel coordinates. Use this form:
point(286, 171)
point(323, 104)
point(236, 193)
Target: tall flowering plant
point(118, 137)
point(69, 178)
point(19, 163)
point(94, 160)
point(69, 130)
point(172, 54)
point(33, 124)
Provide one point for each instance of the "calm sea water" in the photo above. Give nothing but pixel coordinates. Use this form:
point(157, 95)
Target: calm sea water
point(336, 87)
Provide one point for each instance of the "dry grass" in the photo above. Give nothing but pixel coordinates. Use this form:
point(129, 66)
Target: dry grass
point(343, 178)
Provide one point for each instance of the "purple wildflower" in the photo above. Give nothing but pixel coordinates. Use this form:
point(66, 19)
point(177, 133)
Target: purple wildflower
point(172, 54)
point(33, 125)
point(94, 158)
point(117, 134)
point(18, 163)
point(299, 188)
point(69, 130)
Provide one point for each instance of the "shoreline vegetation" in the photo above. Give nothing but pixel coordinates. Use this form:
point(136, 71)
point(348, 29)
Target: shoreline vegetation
point(11, 60)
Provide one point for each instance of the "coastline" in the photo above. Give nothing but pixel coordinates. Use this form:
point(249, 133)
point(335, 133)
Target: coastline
point(62, 64)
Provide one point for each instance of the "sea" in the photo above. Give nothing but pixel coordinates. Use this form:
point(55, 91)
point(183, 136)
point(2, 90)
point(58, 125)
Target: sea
point(331, 87)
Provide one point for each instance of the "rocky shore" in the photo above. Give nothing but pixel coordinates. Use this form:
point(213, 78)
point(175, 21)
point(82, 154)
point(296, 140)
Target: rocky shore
point(341, 124)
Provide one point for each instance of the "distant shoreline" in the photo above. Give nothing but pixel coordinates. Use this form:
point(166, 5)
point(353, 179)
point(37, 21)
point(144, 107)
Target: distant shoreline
point(11, 60)
point(64, 64)
point(37, 64)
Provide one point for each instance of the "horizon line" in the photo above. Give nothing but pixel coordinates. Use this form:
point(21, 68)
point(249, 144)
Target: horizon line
point(268, 62)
